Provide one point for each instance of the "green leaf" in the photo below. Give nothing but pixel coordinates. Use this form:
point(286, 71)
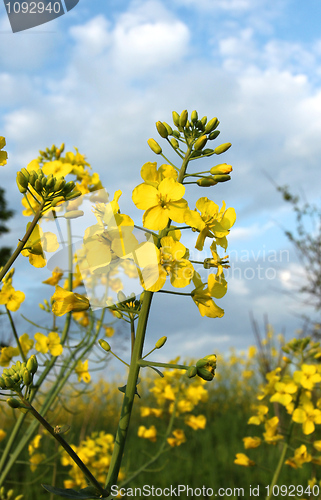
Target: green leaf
point(85, 494)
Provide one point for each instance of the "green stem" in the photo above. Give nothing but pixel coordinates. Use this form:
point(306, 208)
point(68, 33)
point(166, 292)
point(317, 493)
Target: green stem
point(142, 363)
point(128, 400)
point(15, 334)
point(22, 242)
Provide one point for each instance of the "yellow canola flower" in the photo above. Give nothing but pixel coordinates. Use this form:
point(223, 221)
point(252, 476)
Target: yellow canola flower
point(272, 378)
point(178, 439)
point(36, 459)
point(308, 416)
point(196, 422)
point(150, 433)
point(244, 460)
point(57, 168)
point(50, 343)
point(202, 297)
point(284, 393)
point(37, 243)
point(82, 371)
point(147, 412)
point(2, 434)
point(64, 301)
point(3, 154)
point(251, 442)
point(301, 456)
point(26, 343)
point(271, 435)
point(57, 274)
point(6, 355)
point(307, 377)
point(210, 222)
point(11, 298)
point(317, 445)
point(160, 204)
point(170, 262)
point(154, 176)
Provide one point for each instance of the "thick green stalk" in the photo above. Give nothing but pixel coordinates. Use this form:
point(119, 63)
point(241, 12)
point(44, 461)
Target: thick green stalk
point(130, 392)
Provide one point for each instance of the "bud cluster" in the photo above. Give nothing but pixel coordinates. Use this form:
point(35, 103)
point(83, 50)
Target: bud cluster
point(125, 304)
point(51, 154)
point(197, 133)
point(48, 187)
point(310, 348)
point(19, 375)
point(204, 368)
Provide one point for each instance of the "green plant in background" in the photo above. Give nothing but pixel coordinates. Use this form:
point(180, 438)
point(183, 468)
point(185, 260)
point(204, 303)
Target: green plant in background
point(108, 245)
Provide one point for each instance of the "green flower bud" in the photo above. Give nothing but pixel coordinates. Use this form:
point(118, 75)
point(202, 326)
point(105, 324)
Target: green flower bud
point(176, 134)
point(162, 130)
point(13, 403)
point(9, 383)
point(9, 494)
point(196, 154)
point(194, 116)
point(44, 182)
point(208, 152)
point(32, 364)
point(191, 372)
point(57, 200)
point(201, 363)
point(154, 146)
point(59, 185)
point(117, 314)
point(206, 182)
point(40, 173)
point(200, 143)
point(168, 128)
point(183, 118)
point(38, 186)
point(222, 148)
point(27, 377)
point(22, 180)
point(213, 135)
point(32, 178)
point(62, 147)
point(2, 383)
point(175, 118)
point(121, 297)
point(211, 125)
point(221, 169)
point(104, 345)
point(160, 342)
point(21, 188)
point(221, 178)
point(50, 183)
point(199, 125)
point(205, 374)
point(74, 214)
point(69, 187)
point(174, 143)
point(204, 120)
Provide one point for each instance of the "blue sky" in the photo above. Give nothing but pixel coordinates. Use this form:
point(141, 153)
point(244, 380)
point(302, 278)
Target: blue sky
point(100, 77)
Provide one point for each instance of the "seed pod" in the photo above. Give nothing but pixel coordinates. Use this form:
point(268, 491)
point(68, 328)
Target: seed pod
point(74, 214)
point(211, 125)
point(160, 342)
point(191, 372)
point(104, 345)
point(175, 116)
point(154, 146)
point(222, 148)
point(222, 168)
point(194, 116)
point(200, 143)
point(183, 118)
point(162, 130)
point(174, 143)
point(206, 182)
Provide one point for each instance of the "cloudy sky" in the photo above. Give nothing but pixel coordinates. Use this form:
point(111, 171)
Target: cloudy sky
point(99, 77)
